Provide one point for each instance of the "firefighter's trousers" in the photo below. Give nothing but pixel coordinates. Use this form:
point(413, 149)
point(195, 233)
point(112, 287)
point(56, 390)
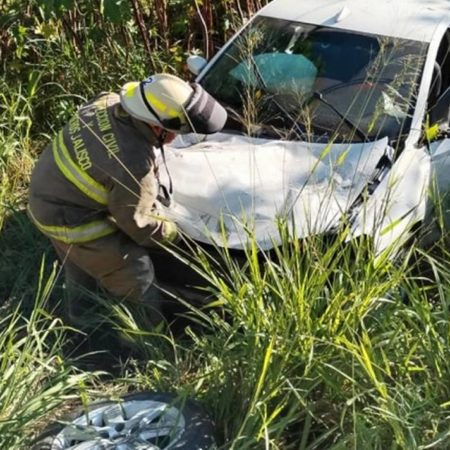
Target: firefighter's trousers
point(115, 263)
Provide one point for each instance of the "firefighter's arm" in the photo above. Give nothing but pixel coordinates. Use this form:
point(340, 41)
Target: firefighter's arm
point(135, 211)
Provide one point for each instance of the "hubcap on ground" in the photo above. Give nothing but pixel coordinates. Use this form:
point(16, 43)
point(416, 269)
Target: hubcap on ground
point(130, 425)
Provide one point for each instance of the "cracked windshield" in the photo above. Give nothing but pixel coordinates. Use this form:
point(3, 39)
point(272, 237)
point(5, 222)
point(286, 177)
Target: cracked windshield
point(303, 82)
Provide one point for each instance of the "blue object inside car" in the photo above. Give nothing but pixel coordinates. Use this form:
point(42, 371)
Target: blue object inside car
point(277, 72)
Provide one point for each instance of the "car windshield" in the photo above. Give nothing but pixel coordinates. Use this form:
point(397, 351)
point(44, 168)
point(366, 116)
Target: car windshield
point(299, 81)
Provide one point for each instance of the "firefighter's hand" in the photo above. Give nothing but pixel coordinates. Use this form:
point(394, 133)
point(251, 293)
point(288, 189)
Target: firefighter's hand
point(170, 232)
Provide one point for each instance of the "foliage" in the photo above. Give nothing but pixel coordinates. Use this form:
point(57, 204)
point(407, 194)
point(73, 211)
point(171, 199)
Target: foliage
point(319, 345)
point(78, 48)
point(35, 380)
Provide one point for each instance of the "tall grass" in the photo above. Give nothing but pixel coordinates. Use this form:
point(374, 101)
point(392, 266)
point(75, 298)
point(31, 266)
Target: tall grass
point(35, 381)
point(16, 146)
point(318, 346)
point(314, 346)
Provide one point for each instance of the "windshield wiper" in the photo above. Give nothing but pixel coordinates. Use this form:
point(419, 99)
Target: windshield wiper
point(319, 96)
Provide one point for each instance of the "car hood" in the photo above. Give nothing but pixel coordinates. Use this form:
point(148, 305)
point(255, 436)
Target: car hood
point(226, 186)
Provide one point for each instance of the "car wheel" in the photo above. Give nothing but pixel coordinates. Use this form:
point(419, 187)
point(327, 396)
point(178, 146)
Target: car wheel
point(143, 421)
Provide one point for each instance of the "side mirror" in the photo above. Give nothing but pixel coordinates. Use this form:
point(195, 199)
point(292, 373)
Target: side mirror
point(440, 111)
point(195, 64)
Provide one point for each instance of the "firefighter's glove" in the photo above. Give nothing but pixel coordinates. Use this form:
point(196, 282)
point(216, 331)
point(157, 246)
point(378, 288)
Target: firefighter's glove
point(170, 232)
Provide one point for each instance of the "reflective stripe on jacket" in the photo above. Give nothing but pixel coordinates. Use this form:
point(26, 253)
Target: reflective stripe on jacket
point(94, 177)
point(76, 175)
point(76, 235)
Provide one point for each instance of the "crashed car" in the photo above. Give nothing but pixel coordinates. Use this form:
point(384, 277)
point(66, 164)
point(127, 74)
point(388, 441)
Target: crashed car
point(338, 112)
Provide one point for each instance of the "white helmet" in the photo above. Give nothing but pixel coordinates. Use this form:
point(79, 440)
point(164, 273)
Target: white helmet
point(167, 101)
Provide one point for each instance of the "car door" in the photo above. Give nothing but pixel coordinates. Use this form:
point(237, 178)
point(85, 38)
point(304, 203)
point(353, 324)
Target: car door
point(438, 208)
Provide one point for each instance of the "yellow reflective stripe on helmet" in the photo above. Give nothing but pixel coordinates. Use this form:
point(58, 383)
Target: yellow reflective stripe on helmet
point(76, 235)
point(161, 106)
point(76, 175)
point(131, 90)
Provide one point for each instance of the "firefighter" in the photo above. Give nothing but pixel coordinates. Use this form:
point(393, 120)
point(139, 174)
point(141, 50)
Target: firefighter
point(95, 190)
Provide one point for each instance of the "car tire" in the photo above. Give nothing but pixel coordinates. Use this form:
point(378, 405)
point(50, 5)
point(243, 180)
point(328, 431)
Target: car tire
point(161, 420)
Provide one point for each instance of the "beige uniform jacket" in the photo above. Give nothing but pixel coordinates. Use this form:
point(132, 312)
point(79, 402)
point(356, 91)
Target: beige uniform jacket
point(98, 176)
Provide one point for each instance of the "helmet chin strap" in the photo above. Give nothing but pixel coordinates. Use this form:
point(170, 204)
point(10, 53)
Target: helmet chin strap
point(162, 137)
point(164, 196)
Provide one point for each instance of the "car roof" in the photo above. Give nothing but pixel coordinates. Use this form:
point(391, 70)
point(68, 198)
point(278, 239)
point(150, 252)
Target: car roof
point(408, 19)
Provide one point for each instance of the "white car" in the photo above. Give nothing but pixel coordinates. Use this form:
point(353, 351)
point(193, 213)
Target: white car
point(338, 111)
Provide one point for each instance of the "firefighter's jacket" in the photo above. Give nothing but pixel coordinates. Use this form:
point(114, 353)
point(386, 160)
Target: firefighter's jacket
point(98, 176)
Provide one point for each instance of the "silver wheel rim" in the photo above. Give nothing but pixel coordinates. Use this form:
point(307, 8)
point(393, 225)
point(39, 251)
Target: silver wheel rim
point(130, 425)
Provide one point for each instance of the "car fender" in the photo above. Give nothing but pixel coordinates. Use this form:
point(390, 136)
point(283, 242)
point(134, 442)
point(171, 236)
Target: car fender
point(398, 203)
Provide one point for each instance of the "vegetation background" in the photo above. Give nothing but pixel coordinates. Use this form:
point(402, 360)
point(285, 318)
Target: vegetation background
point(325, 349)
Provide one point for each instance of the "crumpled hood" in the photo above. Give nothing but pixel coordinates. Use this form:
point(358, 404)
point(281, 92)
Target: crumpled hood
point(227, 184)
